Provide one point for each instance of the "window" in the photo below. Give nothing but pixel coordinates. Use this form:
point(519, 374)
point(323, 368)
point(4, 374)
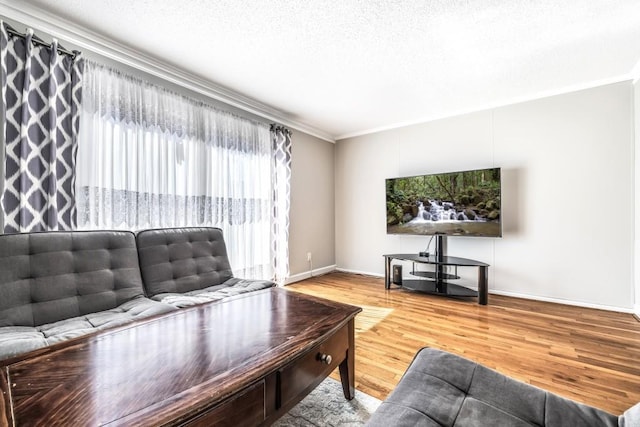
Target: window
point(150, 158)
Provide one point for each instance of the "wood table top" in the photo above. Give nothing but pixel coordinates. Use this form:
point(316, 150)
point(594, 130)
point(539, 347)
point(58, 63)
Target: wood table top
point(167, 368)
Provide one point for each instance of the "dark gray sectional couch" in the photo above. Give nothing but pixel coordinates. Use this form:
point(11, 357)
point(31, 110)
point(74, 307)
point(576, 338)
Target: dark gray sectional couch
point(59, 285)
point(442, 389)
point(189, 266)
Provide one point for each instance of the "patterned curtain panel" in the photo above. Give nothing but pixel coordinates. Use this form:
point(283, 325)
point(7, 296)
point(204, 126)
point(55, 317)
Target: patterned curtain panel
point(40, 98)
point(148, 157)
point(281, 139)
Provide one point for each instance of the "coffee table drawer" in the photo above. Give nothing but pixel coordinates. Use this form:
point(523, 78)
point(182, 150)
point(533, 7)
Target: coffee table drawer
point(246, 409)
point(302, 375)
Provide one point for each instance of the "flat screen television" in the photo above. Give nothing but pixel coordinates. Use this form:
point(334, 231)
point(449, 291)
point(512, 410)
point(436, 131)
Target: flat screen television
point(464, 203)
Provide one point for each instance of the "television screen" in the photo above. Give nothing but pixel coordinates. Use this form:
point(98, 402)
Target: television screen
point(454, 204)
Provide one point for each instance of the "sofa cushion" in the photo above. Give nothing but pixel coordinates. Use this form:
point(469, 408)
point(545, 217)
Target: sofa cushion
point(51, 276)
point(442, 389)
point(228, 289)
point(15, 340)
point(179, 260)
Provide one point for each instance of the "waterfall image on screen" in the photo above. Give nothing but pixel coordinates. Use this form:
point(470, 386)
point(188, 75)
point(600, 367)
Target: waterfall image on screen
point(456, 204)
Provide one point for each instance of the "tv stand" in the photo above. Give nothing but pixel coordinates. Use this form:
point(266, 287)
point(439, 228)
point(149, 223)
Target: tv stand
point(434, 282)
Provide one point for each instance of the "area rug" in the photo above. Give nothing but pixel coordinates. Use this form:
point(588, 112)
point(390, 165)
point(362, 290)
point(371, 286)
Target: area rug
point(326, 407)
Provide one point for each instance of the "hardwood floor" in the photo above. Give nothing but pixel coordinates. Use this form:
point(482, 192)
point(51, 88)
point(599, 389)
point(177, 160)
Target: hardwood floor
point(591, 356)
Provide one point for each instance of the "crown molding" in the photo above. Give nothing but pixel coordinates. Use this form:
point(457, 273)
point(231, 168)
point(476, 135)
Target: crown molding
point(87, 39)
point(512, 101)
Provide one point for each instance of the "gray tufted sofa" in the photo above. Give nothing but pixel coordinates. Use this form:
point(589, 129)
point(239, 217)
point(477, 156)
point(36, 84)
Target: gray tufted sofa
point(442, 389)
point(59, 285)
point(55, 286)
point(188, 266)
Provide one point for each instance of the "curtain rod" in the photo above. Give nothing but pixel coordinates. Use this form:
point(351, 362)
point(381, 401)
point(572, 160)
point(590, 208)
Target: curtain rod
point(36, 40)
point(276, 127)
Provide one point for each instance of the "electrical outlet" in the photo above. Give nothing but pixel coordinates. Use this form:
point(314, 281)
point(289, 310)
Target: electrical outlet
point(309, 256)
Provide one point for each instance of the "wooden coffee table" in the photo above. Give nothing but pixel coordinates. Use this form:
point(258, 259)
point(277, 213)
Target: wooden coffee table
point(243, 361)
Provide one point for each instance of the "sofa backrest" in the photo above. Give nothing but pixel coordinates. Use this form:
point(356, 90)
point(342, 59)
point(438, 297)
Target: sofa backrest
point(182, 259)
point(50, 276)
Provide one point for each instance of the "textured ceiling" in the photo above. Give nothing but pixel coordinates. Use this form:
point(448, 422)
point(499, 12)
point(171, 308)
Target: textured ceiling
point(352, 66)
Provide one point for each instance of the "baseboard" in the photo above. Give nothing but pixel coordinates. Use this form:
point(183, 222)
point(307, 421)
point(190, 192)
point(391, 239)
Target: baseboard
point(563, 301)
point(308, 274)
point(635, 311)
point(364, 273)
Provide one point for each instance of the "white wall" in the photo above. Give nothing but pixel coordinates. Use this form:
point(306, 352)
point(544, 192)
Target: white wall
point(567, 171)
point(636, 97)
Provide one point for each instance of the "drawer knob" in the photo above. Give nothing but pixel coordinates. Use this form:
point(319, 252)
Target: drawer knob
point(324, 358)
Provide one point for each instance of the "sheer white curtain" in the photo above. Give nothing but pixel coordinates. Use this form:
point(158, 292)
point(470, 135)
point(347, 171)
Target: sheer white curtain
point(148, 157)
